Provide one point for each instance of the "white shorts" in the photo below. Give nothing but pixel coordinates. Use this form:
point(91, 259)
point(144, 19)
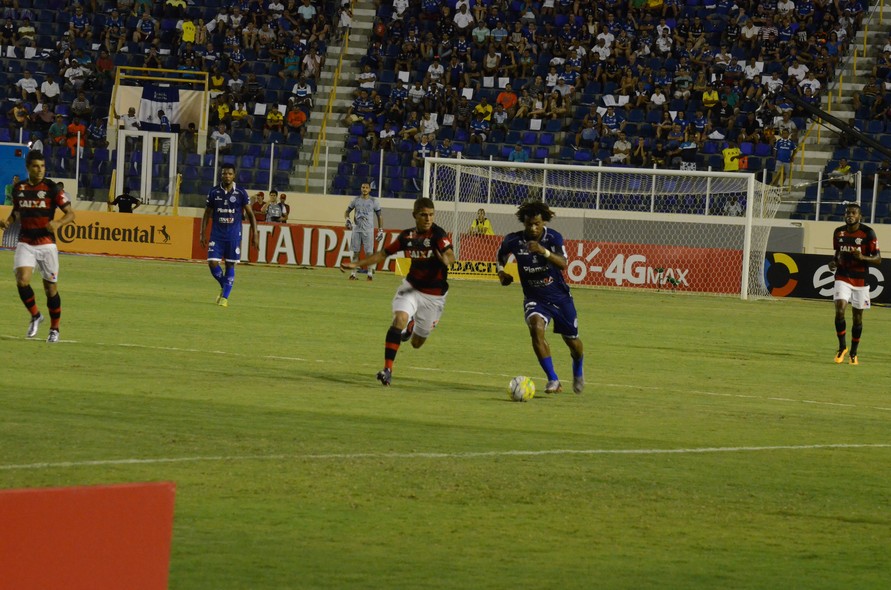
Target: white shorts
point(858, 297)
point(44, 257)
point(426, 309)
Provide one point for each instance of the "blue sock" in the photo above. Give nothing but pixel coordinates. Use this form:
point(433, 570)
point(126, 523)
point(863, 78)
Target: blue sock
point(230, 280)
point(217, 272)
point(548, 365)
point(578, 369)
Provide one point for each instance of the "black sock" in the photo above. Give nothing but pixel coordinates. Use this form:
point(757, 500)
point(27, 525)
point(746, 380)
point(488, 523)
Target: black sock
point(840, 331)
point(54, 304)
point(855, 338)
point(26, 294)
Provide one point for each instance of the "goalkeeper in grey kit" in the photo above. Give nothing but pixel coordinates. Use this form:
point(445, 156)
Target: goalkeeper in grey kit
point(366, 208)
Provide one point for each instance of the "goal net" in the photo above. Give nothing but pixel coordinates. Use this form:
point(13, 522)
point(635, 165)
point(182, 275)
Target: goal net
point(699, 232)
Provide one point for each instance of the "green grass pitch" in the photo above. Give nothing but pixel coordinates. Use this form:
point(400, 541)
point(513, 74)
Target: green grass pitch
point(708, 450)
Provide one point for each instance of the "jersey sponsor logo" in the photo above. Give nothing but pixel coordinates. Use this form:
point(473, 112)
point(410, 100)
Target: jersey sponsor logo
point(32, 204)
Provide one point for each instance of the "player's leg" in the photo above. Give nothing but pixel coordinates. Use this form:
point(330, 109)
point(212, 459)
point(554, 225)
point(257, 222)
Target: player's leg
point(355, 246)
point(368, 246)
point(229, 280)
point(841, 297)
point(566, 324)
point(859, 302)
point(48, 265)
point(25, 261)
point(537, 319)
point(404, 307)
point(427, 316)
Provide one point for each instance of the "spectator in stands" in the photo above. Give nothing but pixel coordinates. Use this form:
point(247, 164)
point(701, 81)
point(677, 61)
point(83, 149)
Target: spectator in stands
point(428, 125)
point(499, 119)
point(411, 127)
point(19, 117)
point(221, 140)
point(188, 139)
point(146, 29)
point(302, 92)
point(79, 24)
point(422, 150)
point(7, 33)
point(588, 136)
point(239, 116)
point(870, 96)
point(539, 106)
point(784, 150)
point(77, 136)
point(479, 128)
point(313, 63)
point(484, 109)
point(883, 172)
point(81, 106)
point(621, 153)
point(445, 149)
point(558, 107)
point(42, 116)
point(659, 154)
point(275, 122)
point(296, 122)
point(518, 154)
point(28, 87)
point(463, 20)
point(751, 130)
point(96, 133)
point(58, 132)
point(640, 157)
point(26, 35)
point(842, 176)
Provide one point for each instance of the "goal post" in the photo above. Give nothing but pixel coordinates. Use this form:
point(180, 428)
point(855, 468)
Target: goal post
point(697, 232)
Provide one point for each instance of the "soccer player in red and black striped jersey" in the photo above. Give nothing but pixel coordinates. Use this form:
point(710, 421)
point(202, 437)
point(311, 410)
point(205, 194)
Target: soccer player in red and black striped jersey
point(420, 299)
point(856, 247)
point(35, 202)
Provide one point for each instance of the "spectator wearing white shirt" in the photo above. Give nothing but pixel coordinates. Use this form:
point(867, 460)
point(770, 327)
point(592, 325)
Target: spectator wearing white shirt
point(435, 72)
point(463, 19)
point(752, 69)
point(785, 7)
point(810, 82)
point(797, 71)
point(607, 37)
point(50, 89)
point(657, 99)
point(367, 79)
point(428, 125)
point(221, 139)
point(28, 86)
point(399, 8)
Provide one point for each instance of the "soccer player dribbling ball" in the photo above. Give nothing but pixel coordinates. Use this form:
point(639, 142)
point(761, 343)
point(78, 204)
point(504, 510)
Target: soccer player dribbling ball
point(227, 205)
point(541, 260)
point(35, 202)
point(420, 299)
point(856, 247)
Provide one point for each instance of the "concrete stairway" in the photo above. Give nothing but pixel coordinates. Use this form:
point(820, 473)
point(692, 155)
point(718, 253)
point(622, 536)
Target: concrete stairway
point(818, 153)
point(335, 132)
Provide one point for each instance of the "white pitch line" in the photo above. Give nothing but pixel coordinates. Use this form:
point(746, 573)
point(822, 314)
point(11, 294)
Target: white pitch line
point(467, 455)
point(466, 372)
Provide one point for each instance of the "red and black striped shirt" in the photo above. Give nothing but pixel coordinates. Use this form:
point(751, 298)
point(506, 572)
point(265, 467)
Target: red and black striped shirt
point(850, 270)
point(36, 205)
point(427, 273)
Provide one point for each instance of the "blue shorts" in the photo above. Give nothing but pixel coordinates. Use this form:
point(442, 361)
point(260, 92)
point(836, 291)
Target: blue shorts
point(566, 322)
point(228, 250)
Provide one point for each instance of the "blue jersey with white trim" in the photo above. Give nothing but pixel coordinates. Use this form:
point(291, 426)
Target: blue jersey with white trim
point(541, 280)
point(227, 212)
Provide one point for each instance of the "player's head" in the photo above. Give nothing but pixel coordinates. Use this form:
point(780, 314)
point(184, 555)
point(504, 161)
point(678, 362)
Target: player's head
point(534, 215)
point(35, 163)
point(365, 188)
point(481, 214)
point(227, 174)
point(853, 214)
point(423, 212)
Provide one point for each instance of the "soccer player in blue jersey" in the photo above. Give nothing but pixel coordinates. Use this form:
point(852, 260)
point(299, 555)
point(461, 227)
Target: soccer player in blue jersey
point(420, 299)
point(541, 260)
point(227, 206)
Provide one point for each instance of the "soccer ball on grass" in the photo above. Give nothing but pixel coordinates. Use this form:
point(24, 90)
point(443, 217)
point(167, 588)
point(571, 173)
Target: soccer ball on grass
point(521, 389)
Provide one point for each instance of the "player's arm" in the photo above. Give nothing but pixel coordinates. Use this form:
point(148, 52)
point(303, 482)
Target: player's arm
point(372, 260)
point(557, 260)
point(67, 218)
point(249, 215)
point(205, 219)
point(380, 226)
point(447, 256)
point(346, 218)
point(500, 262)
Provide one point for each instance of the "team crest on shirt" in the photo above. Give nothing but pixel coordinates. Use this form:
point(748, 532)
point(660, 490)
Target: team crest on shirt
point(41, 194)
point(426, 242)
point(232, 199)
point(858, 241)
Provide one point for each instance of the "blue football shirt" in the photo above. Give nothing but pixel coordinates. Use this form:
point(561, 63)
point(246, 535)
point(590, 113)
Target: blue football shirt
point(541, 280)
point(227, 212)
